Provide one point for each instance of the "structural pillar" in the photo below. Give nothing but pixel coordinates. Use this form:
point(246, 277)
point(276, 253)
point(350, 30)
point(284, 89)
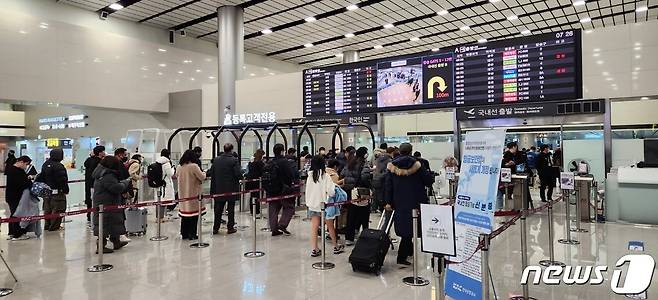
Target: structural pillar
point(350, 56)
point(230, 44)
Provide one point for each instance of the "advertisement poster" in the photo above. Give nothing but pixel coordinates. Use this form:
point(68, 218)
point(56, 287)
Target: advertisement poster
point(474, 209)
point(437, 229)
point(567, 180)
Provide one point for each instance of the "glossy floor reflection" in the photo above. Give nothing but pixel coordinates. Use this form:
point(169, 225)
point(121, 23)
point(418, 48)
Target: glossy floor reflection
point(55, 266)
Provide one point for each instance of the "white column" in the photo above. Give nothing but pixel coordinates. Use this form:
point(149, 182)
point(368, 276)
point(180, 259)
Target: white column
point(230, 26)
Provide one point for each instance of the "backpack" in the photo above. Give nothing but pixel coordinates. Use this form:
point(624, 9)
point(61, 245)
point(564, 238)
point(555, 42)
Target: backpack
point(40, 189)
point(271, 181)
point(155, 175)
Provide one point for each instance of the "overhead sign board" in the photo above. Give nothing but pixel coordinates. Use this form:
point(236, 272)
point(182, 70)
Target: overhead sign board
point(370, 119)
point(525, 110)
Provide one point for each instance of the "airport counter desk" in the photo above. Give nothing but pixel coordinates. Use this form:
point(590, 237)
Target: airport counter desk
point(632, 195)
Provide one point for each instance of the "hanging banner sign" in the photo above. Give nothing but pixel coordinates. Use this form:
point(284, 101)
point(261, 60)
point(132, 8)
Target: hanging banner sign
point(236, 119)
point(474, 210)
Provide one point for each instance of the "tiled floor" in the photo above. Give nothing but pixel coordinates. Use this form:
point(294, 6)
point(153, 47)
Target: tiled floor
point(55, 266)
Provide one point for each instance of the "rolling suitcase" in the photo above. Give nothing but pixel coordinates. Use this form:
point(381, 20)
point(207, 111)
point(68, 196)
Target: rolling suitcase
point(372, 246)
point(136, 221)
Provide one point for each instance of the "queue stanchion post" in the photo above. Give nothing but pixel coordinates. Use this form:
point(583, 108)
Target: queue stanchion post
point(200, 244)
point(567, 224)
point(100, 267)
point(323, 264)
point(439, 263)
point(524, 242)
point(158, 217)
point(484, 261)
point(551, 251)
point(415, 280)
point(261, 196)
point(243, 188)
point(578, 216)
point(254, 253)
point(7, 291)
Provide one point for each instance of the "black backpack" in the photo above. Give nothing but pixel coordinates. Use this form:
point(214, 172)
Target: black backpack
point(271, 181)
point(154, 175)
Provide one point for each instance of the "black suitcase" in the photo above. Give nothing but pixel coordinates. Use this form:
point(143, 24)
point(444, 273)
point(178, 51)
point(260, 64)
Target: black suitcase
point(372, 246)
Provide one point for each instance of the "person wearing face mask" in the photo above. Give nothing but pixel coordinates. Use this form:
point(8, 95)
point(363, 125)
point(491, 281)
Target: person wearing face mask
point(90, 164)
point(122, 155)
point(357, 176)
point(17, 182)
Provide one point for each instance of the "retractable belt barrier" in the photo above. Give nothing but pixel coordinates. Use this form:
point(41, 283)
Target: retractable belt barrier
point(504, 227)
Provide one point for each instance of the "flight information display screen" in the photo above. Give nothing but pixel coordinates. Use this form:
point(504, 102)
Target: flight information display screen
point(530, 69)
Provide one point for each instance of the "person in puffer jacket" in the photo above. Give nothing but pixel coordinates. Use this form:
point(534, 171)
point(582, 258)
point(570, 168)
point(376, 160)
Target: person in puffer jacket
point(107, 191)
point(53, 173)
point(357, 174)
point(405, 191)
point(378, 176)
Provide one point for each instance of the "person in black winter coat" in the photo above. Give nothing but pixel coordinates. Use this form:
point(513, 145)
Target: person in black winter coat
point(357, 174)
point(17, 182)
point(382, 158)
point(285, 178)
point(517, 161)
point(107, 191)
point(225, 178)
point(90, 165)
point(547, 174)
point(405, 191)
point(11, 159)
point(254, 172)
point(53, 173)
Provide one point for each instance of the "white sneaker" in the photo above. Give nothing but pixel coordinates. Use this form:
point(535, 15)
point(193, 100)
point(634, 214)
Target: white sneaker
point(124, 238)
point(21, 238)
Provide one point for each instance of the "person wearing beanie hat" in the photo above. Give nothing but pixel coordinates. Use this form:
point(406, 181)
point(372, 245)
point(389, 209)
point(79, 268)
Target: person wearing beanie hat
point(90, 164)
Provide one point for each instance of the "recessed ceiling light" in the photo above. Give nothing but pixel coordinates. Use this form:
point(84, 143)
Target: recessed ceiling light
point(586, 20)
point(464, 28)
point(162, 65)
point(272, 73)
point(144, 68)
point(339, 55)
point(526, 32)
point(494, 1)
point(605, 73)
point(600, 62)
point(162, 50)
point(637, 68)
point(309, 45)
point(116, 6)
point(180, 72)
point(198, 70)
point(160, 73)
point(413, 39)
point(609, 79)
point(387, 26)
point(310, 19)
point(211, 77)
point(637, 48)
point(352, 7)
point(443, 12)
point(482, 41)
point(644, 98)
point(187, 61)
point(596, 49)
point(512, 17)
point(244, 67)
point(378, 47)
point(266, 31)
point(252, 74)
point(638, 56)
point(266, 69)
point(579, 3)
point(435, 49)
point(22, 32)
point(596, 54)
point(634, 77)
point(349, 35)
point(641, 9)
point(192, 78)
point(43, 26)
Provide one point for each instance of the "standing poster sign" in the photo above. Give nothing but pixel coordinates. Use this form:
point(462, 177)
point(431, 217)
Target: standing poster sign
point(474, 209)
point(437, 223)
point(567, 180)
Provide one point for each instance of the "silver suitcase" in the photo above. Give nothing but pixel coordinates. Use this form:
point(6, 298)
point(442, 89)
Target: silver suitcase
point(136, 221)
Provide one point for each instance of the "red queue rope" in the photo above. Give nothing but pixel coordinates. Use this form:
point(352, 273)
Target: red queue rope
point(82, 180)
point(504, 227)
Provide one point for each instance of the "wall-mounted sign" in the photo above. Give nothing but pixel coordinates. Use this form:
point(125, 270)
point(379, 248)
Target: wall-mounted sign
point(57, 143)
point(266, 117)
point(64, 122)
